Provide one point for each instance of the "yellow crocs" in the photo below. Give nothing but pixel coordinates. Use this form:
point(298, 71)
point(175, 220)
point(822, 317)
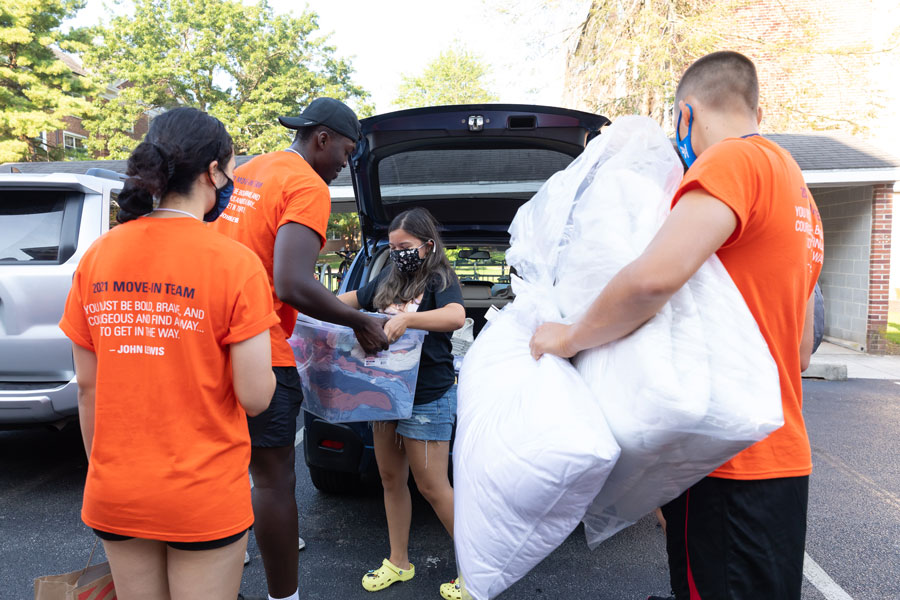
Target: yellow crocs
point(386, 575)
point(454, 590)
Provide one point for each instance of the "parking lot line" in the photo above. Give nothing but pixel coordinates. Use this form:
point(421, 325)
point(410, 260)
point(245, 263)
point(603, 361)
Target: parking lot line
point(822, 582)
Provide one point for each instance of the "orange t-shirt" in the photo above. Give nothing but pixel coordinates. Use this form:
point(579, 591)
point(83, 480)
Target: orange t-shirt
point(269, 191)
point(774, 257)
point(159, 301)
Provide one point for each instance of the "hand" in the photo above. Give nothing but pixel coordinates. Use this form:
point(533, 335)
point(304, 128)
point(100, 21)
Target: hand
point(395, 327)
point(551, 338)
point(371, 336)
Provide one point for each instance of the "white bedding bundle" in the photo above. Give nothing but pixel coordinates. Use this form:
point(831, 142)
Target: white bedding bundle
point(681, 395)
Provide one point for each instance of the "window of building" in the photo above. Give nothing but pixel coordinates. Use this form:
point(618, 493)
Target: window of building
point(73, 141)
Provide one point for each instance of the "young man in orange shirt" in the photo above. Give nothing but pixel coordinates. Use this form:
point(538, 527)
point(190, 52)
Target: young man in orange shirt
point(280, 209)
point(738, 534)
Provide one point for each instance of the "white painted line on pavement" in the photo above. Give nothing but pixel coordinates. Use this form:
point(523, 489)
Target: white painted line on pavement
point(822, 582)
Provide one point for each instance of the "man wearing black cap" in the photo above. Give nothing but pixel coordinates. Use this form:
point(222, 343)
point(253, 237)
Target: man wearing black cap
point(280, 209)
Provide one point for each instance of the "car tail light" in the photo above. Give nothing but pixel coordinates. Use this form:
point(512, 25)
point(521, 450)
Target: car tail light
point(333, 444)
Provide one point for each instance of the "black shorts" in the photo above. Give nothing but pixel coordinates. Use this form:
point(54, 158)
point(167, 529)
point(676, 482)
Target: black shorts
point(276, 426)
point(738, 540)
point(194, 546)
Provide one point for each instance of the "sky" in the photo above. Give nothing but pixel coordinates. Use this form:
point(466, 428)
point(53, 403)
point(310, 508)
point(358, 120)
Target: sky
point(522, 44)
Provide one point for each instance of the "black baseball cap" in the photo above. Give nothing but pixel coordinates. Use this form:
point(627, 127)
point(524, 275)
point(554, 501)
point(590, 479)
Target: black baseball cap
point(328, 112)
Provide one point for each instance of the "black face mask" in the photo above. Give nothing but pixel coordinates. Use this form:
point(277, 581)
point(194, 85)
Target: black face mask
point(408, 260)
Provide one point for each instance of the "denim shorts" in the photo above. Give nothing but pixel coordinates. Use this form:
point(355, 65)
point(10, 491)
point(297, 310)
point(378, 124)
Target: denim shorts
point(432, 421)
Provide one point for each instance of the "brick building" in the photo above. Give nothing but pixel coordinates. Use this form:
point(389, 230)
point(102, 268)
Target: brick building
point(72, 138)
point(853, 185)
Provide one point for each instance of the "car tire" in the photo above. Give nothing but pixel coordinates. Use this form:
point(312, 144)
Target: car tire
point(334, 482)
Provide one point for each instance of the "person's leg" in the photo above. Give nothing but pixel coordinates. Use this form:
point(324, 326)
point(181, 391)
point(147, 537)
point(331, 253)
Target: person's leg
point(274, 481)
point(138, 569)
point(738, 540)
point(428, 461)
point(675, 513)
point(275, 513)
point(394, 470)
point(206, 574)
point(426, 437)
point(767, 538)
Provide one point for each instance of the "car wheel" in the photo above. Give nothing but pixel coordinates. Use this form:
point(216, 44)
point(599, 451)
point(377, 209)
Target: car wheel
point(334, 482)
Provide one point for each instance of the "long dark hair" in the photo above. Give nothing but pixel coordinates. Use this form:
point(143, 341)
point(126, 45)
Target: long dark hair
point(436, 270)
point(179, 146)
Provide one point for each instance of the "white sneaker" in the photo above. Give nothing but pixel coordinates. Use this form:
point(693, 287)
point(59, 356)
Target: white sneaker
point(302, 544)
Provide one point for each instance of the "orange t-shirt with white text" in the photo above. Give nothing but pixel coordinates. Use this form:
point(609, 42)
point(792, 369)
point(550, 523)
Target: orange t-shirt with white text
point(269, 191)
point(774, 258)
point(159, 301)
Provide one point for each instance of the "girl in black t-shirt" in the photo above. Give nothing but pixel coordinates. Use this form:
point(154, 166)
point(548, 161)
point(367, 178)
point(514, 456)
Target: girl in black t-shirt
point(421, 291)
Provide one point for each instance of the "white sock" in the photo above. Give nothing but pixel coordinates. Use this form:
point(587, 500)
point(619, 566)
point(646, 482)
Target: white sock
point(294, 596)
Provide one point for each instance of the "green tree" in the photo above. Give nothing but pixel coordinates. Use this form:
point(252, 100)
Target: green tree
point(346, 225)
point(241, 63)
point(456, 76)
point(629, 56)
point(36, 88)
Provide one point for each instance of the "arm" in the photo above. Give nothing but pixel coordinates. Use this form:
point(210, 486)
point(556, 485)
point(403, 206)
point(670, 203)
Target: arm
point(251, 369)
point(806, 342)
point(447, 318)
point(697, 227)
point(86, 377)
point(296, 250)
point(350, 299)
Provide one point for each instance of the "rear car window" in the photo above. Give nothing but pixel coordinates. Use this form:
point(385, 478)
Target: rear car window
point(34, 226)
point(507, 173)
point(479, 263)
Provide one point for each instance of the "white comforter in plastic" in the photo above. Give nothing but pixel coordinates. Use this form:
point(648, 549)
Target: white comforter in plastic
point(683, 394)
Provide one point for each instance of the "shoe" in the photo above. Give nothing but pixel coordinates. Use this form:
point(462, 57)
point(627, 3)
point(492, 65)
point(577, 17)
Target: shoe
point(386, 575)
point(454, 591)
point(246, 558)
point(302, 543)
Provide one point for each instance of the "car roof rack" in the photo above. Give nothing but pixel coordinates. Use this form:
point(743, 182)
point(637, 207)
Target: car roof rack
point(106, 174)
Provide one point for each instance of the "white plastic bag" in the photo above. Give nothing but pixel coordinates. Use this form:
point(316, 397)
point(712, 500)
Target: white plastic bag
point(532, 451)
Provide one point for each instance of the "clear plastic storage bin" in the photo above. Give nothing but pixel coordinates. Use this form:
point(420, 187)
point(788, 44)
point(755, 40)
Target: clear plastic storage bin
point(342, 384)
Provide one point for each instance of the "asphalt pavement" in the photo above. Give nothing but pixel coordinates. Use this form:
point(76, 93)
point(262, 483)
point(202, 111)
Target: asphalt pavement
point(853, 542)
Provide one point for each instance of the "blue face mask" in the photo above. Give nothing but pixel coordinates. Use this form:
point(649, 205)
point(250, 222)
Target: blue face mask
point(684, 145)
point(223, 197)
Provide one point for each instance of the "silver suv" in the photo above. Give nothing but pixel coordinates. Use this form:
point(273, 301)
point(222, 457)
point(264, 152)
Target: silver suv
point(46, 224)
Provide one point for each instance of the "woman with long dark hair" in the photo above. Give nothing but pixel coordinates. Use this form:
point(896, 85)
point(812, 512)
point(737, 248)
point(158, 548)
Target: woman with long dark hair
point(170, 329)
point(421, 291)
